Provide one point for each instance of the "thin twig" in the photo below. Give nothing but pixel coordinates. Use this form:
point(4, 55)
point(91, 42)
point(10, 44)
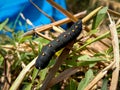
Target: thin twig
point(58, 29)
point(48, 38)
point(22, 74)
point(114, 13)
point(42, 11)
point(115, 43)
point(7, 74)
point(57, 23)
point(67, 13)
point(91, 14)
point(55, 68)
point(65, 74)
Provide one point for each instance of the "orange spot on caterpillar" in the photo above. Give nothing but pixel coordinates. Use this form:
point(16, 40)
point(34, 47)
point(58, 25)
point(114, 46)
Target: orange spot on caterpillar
point(58, 40)
point(49, 45)
point(73, 30)
point(69, 33)
point(43, 54)
point(65, 36)
point(76, 26)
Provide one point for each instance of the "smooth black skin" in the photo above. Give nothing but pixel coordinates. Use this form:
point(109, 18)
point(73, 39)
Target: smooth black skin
point(61, 41)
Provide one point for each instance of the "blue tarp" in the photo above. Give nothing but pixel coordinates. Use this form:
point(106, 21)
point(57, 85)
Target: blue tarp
point(11, 9)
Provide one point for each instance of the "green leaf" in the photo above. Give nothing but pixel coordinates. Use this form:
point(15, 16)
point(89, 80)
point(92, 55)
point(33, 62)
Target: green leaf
point(2, 51)
point(104, 85)
point(83, 57)
point(24, 39)
point(35, 72)
point(85, 63)
point(110, 50)
point(73, 85)
point(88, 58)
point(72, 61)
point(42, 40)
point(105, 35)
point(99, 17)
point(84, 60)
point(84, 82)
point(32, 46)
point(94, 31)
point(3, 24)
point(1, 60)
point(43, 73)
point(28, 86)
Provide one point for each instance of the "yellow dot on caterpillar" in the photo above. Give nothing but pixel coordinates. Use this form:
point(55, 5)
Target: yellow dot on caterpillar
point(73, 30)
point(76, 26)
point(43, 54)
point(65, 35)
point(49, 45)
point(69, 33)
point(57, 40)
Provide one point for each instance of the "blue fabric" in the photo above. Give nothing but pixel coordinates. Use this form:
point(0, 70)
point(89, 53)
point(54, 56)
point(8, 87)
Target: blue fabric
point(11, 9)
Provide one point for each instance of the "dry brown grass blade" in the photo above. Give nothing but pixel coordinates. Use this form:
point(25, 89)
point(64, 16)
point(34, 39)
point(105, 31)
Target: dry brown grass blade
point(58, 29)
point(115, 43)
point(42, 11)
point(114, 13)
point(57, 23)
point(68, 14)
point(7, 74)
point(42, 35)
point(85, 19)
point(23, 47)
point(65, 74)
point(55, 68)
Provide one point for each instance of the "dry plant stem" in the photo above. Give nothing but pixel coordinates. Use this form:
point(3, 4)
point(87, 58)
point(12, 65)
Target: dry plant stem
point(48, 38)
point(7, 75)
point(24, 47)
point(58, 29)
point(99, 76)
point(22, 74)
point(115, 43)
point(42, 11)
point(57, 23)
point(65, 74)
point(8, 28)
point(96, 79)
point(68, 14)
point(55, 68)
point(114, 13)
point(91, 15)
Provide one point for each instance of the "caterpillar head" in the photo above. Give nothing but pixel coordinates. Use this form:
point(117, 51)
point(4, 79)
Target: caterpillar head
point(44, 57)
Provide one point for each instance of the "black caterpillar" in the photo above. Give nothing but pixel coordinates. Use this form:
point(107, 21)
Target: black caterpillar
point(61, 41)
